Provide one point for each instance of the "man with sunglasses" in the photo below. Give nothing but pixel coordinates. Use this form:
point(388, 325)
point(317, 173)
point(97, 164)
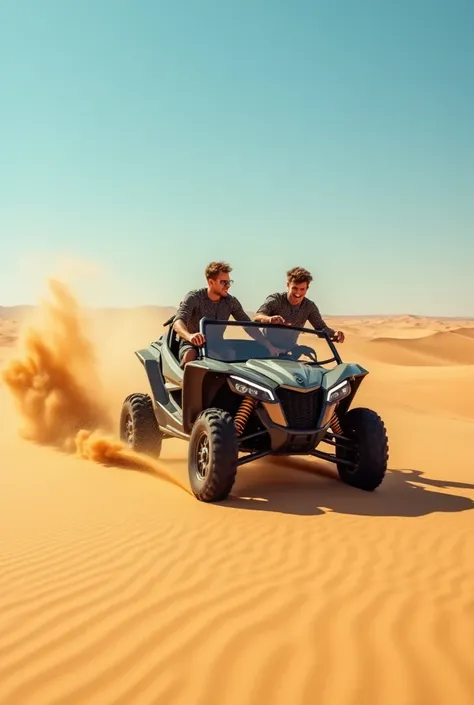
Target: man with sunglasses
point(213, 301)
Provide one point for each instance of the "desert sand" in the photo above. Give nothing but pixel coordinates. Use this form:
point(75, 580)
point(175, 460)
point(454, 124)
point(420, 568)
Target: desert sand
point(118, 587)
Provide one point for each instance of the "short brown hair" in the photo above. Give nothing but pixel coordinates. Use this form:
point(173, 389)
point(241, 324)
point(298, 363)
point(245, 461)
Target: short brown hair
point(214, 268)
point(298, 275)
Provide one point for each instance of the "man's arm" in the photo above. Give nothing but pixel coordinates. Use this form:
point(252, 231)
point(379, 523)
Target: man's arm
point(268, 312)
point(318, 323)
point(239, 314)
point(183, 315)
point(182, 330)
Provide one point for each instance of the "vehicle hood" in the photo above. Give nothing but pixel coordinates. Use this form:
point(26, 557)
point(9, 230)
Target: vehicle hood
point(288, 373)
point(282, 372)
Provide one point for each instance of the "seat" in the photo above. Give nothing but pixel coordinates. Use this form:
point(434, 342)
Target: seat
point(172, 339)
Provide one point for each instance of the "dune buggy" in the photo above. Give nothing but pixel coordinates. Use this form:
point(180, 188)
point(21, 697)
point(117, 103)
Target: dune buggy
point(237, 403)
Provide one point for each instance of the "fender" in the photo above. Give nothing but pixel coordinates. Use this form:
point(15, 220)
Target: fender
point(151, 363)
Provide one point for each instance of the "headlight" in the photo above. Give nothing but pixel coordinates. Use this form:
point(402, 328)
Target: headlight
point(244, 387)
point(339, 392)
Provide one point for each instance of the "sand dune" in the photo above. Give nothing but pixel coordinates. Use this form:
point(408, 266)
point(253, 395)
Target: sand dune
point(117, 586)
point(466, 332)
point(438, 348)
point(8, 333)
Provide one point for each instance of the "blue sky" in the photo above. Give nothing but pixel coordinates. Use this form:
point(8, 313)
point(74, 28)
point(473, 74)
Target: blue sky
point(145, 138)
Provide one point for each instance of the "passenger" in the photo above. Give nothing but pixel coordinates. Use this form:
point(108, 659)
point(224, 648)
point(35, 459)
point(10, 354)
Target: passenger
point(293, 308)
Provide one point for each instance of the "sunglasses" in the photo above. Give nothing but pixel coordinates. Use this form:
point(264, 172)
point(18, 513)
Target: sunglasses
point(226, 282)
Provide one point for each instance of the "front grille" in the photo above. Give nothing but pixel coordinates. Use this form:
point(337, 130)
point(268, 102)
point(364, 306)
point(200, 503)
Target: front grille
point(301, 409)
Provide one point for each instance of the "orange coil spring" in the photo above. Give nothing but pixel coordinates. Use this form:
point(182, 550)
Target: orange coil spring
point(243, 414)
point(335, 425)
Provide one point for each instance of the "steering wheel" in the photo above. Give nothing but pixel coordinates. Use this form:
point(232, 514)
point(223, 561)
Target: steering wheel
point(298, 350)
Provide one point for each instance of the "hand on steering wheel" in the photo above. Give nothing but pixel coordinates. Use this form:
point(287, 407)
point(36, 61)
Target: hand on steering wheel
point(197, 339)
point(298, 350)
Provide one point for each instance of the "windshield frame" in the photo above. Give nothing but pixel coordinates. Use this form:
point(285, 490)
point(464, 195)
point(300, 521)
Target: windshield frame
point(204, 322)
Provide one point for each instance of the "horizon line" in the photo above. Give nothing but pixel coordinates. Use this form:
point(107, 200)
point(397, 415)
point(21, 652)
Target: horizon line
point(328, 315)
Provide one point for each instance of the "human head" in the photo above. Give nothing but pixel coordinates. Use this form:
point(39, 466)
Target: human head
point(218, 277)
point(297, 282)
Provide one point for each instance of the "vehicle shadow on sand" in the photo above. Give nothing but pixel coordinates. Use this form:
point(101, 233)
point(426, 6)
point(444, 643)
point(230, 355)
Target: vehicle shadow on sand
point(305, 487)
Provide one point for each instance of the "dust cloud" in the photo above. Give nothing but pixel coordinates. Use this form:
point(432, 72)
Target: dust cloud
point(57, 391)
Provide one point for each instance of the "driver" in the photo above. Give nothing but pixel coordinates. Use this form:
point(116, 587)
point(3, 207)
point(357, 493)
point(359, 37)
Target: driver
point(293, 308)
point(213, 301)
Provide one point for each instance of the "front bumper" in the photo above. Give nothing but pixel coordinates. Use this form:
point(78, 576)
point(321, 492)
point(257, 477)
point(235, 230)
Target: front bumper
point(287, 440)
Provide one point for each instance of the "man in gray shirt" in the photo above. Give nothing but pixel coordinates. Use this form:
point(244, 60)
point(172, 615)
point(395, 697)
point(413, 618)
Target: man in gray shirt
point(293, 308)
point(213, 301)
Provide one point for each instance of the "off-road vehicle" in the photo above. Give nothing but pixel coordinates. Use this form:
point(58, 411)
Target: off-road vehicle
point(238, 402)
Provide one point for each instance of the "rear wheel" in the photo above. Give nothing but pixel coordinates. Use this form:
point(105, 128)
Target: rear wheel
point(212, 455)
point(139, 428)
point(369, 451)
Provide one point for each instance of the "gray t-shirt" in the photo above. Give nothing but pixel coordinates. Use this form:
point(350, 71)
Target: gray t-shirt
point(197, 304)
point(297, 315)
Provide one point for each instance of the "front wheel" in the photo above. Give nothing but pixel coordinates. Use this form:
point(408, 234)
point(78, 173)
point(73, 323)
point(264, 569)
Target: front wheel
point(212, 455)
point(369, 452)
